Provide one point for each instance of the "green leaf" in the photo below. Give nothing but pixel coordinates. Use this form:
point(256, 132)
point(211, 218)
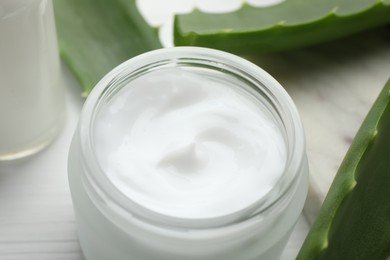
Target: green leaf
point(97, 35)
point(288, 25)
point(354, 220)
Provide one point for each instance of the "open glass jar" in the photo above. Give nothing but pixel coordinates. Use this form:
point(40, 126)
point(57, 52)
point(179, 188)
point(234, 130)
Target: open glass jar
point(229, 193)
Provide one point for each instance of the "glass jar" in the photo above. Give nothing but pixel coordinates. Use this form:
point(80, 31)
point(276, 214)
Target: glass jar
point(112, 226)
point(31, 96)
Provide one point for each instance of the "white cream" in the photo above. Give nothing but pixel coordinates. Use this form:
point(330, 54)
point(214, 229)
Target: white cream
point(188, 146)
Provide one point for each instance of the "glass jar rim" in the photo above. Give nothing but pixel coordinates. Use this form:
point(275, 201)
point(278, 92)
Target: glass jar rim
point(102, 189)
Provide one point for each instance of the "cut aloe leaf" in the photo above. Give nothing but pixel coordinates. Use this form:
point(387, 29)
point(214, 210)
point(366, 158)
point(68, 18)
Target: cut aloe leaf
point(288, 25)
point(354, 220)
point(97, 35)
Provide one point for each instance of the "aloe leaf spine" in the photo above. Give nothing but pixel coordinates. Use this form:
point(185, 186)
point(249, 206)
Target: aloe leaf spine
point(354, 220)
point(289, 25)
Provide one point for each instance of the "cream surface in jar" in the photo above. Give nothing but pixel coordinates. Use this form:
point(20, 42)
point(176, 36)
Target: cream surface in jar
point(187, 146)
point(184, 154)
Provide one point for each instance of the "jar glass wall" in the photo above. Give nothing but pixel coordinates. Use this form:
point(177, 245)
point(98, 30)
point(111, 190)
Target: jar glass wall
point(116, 222)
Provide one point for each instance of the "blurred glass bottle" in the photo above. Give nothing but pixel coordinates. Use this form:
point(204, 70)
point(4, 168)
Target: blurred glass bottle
point(31, 95)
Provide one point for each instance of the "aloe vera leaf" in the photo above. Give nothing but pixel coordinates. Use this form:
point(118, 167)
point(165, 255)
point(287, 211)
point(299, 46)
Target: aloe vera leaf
point(354, 220)
point(97, 35)
point(288, 25)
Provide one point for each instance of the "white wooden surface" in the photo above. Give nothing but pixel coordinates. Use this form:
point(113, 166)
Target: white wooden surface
point(333, 86)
